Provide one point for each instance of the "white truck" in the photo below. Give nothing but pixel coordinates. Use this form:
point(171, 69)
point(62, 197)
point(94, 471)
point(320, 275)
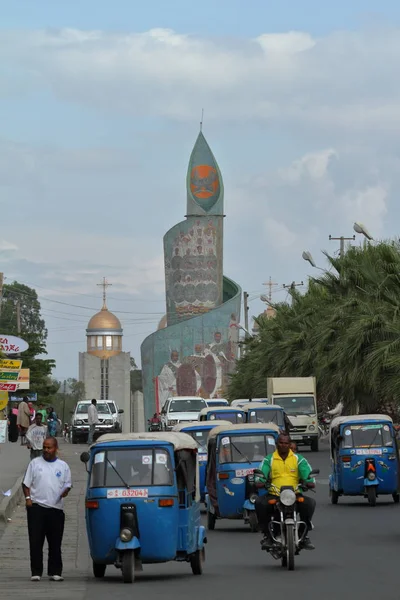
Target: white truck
point(298, 397)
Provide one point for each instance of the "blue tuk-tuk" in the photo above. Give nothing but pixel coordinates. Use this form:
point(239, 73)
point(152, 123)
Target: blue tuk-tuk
point(224, 413)
point(267, 413)
point(364, 457)
point(199, 432)
point(143, 502)
point(233, 453)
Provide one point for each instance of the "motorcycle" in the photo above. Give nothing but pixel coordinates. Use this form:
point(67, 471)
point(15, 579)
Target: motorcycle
point(155, 425)
point(286, 520)
point(323, 426)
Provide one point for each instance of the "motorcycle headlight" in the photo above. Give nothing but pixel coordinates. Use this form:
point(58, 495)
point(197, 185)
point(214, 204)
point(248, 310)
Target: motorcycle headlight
point(253, 498)
point(126, 534)
point(311, 428)
point(371, 475)
point(288, 497)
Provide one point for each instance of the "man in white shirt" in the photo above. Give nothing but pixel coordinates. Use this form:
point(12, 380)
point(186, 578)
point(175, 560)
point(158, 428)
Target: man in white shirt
point(35, 436)
point(47, 481)
point(93, 419)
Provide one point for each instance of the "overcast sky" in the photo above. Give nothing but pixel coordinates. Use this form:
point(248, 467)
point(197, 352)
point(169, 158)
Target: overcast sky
point(100, 106)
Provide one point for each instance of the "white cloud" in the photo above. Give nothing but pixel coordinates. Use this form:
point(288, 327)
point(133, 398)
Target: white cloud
point(343, 80)
point(279, 234)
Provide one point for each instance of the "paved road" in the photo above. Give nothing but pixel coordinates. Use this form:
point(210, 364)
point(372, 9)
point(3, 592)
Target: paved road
point(356, 557)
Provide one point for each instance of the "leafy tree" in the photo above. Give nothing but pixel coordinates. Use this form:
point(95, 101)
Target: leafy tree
point(345, 330)
point(33, 331)
point(69, 393)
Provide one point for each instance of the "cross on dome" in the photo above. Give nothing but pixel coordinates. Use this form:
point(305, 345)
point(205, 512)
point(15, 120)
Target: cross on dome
point(104, 284)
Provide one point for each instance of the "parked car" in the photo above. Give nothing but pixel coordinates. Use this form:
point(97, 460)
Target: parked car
point(181, 409)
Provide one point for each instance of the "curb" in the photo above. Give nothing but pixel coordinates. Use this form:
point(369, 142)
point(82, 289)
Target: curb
point(8, 504)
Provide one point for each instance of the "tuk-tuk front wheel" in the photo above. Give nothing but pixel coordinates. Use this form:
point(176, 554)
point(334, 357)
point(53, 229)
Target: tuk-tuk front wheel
point(253, 522)
point(128, 566)
point(99, 570)
point(334, 496)
point(396, 498)
point(211, 519)
point(196, 562)
point(371, 495)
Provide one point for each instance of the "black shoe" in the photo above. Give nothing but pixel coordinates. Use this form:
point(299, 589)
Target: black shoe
point(266, 543)
point(307, 545)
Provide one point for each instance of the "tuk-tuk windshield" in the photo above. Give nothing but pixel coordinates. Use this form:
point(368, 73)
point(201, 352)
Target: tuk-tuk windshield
point(369, 435)
point(201, 438)
point(266, 416)
point(232, 417)
point(131, 466)
point(245, 448)
point(298, 405)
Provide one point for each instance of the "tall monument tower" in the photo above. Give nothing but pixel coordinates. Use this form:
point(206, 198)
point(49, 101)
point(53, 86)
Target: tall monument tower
point(195, 347)
point(193, 249)
point(104, 368)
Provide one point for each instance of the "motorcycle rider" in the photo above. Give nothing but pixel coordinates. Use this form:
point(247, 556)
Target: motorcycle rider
point(281, 468)
point(154, 422)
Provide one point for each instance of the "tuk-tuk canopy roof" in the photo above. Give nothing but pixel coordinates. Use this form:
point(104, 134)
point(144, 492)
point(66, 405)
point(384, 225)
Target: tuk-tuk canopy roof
point(180, 441)
point(259, 405)
point(234, 409)
point(199, 425)
point(359, 418)
point(246, 427)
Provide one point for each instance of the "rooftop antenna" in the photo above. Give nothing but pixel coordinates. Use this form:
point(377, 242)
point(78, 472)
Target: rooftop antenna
point(201, 122)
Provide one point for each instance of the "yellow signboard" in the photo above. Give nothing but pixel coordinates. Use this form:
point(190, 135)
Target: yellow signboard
point(23, 382)
point(7, 364)
point(3, 400)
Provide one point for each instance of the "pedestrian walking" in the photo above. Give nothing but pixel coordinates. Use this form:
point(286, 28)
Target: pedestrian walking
point(23, 419)
point(93, 419)
point(35, 436)
point(46, 483)
point(52, 422)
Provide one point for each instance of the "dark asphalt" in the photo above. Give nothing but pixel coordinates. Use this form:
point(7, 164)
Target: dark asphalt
point(356, 556)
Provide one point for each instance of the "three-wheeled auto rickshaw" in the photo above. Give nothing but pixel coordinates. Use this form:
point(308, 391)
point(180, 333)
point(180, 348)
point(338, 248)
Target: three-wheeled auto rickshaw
point(143, 502)
point(199, 432)
point(224, 413)
point(233, 454)
point(364, 458)
point(267, 413)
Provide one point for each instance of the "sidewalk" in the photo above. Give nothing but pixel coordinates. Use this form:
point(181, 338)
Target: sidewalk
point(14, 545)
point(14, 459)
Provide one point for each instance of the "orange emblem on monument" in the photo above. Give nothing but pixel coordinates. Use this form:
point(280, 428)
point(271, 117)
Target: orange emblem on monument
point(204, 181)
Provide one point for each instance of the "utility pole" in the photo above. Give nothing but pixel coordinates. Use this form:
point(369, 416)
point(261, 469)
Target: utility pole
point(292, 286)
point(1, 290)
point(18, 307)
point(246, 311)
point(342, 240)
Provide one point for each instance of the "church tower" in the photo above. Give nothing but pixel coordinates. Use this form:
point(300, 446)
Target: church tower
point(104, 368)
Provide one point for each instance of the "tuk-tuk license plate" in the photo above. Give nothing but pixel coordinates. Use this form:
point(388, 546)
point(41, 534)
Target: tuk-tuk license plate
point(368, 451)
point(121, 493)
point(244, 472)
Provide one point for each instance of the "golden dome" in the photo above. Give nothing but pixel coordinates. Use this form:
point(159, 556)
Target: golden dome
point(104, 320)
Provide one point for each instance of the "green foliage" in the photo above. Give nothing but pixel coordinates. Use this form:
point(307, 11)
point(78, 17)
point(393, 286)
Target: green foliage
point(33, 330)
point(345, 330)
point(69, 393)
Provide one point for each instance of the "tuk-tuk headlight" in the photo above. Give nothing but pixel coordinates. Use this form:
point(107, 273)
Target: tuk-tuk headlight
point(371, 475)
point(288, 497)
point(126, 535)
point(253, 498)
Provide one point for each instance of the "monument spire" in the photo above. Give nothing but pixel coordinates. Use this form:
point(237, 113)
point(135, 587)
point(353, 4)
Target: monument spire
point(104, 284)
point(205, 189)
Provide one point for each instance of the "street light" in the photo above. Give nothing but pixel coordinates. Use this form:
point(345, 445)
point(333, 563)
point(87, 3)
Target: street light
point(361, 229)
point(307, 256)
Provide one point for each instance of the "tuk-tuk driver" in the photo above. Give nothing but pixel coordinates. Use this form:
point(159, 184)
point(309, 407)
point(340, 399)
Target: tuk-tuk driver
point(281, 468)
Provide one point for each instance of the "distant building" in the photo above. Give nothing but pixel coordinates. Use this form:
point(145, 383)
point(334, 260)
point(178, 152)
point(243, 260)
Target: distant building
point(195, 346)
point(269, 313)
point(104, 368)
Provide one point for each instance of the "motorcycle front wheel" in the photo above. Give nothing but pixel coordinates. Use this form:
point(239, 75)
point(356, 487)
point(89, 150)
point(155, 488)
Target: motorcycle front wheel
point(290, 547)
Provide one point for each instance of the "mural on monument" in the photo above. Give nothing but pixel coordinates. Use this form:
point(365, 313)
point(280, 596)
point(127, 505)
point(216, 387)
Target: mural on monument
point(193, 358)
point(193, 269)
